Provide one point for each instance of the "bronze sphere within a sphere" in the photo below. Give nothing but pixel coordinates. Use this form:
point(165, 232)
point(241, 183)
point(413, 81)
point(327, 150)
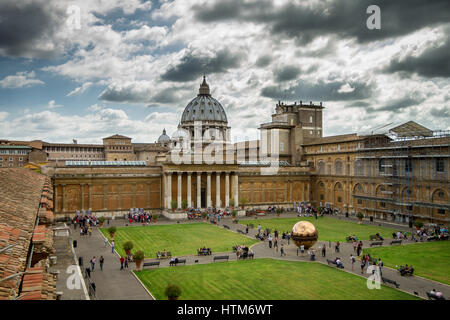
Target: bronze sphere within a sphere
point(304, 233)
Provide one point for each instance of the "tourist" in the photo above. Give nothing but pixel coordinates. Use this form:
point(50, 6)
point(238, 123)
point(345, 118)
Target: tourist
point(337, 246)
point(282, 250)
point(112, 246)
point(122, 260)
point(302, 250)
point(270, 241)
point(380, 265)
point(246, 229)
point(275, 243)
point(339, 263)
point(93, 263)
point(102, 260)
point(355, 244)
point(324, 250)
point(125, 265)
point(352, 259)
point(106, 242)
point(259, 228)
point(363, 264)
point(313, 255)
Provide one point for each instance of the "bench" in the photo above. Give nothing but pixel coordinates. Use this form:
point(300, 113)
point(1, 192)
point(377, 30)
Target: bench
point(149, 264)
point(432, 296)
point(376, 243)
point(236, 221)
point(393, 282)
point(334, 263)
point(204, 253)
point(226, 227)
point(248, 255)
point(174, 263)
point(220, 258)
point(164, 257)
point(402, 271)
point(373, 237)
point(240, 231)
point(396, 241)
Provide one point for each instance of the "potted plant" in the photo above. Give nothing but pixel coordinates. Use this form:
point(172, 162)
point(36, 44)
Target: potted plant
point(360, 217)
point(243, 202)
point(418, 224)
point(174, 204)
point(155, 218)
point(204, 215)
point(233, 214)
point(112, 231)
point(173, 292)
point(232, 203)
point(184, 204)
point(101, 220)
point(127, 246)
point(278, 212)
point(138, 257)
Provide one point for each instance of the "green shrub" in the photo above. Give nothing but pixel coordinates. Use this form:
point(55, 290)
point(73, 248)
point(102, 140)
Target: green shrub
point(232, 203)
point(127, 246)
point(174, 204)
point(112, 229)
point(184, 204)
point(360, 215)
point(418, 224)
point(138, 255)
point(172, 291)
point(101, 219)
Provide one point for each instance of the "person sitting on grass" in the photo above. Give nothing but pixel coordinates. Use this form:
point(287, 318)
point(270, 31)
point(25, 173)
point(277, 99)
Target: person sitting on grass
point(158, 255)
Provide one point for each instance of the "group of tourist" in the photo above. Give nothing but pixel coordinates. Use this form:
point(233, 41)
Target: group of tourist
point(243, 252)
point(160, 254)
point(204, 251)
point(84, 219)
point(139, 215)
point(436, 233)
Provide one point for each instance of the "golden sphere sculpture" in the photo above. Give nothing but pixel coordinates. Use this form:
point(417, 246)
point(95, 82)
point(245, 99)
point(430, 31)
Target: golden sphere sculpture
point(304, 233)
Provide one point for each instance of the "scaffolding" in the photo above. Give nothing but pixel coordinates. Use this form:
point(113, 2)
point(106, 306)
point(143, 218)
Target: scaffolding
point(406, 175)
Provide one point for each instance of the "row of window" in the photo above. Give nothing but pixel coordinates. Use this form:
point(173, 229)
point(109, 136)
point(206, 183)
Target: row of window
point(439, 165)
point(10, 165)
point(10, 159)
point(3, 151)
point(72, 149)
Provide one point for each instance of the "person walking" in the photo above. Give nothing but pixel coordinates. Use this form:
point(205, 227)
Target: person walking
point(275, 243)
point(112, 246)
point(101, 260)
point(125, 265)
point(106, 242)
point(352, 259)
point(355, 244)
point(363, 264)
point(324, 250)
point(337, 246)
point(380, 265)
point(270, 241)
point(282, 251)
point(122, 260)
point(246, 229)
point(93, 263)
point(302, 250)
point(90, 231)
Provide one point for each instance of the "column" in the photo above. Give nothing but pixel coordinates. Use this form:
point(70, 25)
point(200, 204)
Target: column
point(169, 190)
point(227, 189)
point(308, 192)
point(90, 196)
point(82, 196)
point(199, 190)
point(218, 204)
point(104, 196)
point(236, 190)
point(189, 198)
point(208, 189)
point(134, 194)
point(63, 198)
point(119, 195)
point(179, 190)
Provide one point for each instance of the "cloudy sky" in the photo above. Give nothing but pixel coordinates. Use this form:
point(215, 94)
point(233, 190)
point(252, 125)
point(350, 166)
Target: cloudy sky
point(87, 69)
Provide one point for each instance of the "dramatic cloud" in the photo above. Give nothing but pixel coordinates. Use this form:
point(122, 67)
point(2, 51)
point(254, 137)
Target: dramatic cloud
point(193, 65)
point(286, 73)
point(346, 18)
point(321, 91)
point(433, 62)
point(20, 79)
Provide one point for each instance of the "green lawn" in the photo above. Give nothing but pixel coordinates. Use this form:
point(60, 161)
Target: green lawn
point(179, 239)
point(430, 260)
point(330, 229)
point(264, 279)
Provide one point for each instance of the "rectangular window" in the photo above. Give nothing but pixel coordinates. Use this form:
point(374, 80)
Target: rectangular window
point(440, 165)
point(339, 199)
point(441, 211)
point(359, 201)
point(408, 165)
point(310, 119)
point(339, 147)
point(321, 197)
point(383, 204)
point(310, 132)
point(281, 146)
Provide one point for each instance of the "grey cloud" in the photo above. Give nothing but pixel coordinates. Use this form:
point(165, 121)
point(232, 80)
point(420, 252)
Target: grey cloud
point(263, 61)
point(344, 18)
point(443, 112)
point(192, 67)
point(321, 91)
point(24, 27)
point(433, 62)
point(286, 73)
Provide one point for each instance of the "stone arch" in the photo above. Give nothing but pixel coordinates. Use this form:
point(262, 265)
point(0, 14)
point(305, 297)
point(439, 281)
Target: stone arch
point(321, 167)
point(338, 191)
